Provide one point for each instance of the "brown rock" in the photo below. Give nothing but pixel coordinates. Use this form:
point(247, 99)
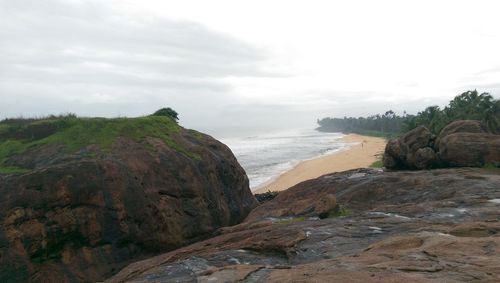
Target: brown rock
point(408, 226)
point(467, 143)
point(402, 153)
point(390, 162)
point(469, 149)
point(460, 126)
point(419, 137)
point(460, 144)
point(82, 217)
point(423, 158)
point(295, 203)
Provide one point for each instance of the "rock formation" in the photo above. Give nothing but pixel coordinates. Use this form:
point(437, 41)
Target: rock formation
point(468, 143)
point(460, 144)
point(411, 151)
point(402, 226)
point(461, 126)
point(296, 203)
point(88, 196)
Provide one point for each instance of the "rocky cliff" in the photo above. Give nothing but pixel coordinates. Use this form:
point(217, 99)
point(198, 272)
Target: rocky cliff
point(357, 226)
point(81, 198)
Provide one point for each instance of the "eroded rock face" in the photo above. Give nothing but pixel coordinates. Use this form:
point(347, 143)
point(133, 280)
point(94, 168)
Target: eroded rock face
point(467, 149)
point(83, 216)
point(296, 203)
point(467, 143)
point(460, 126)
point(460, 144)
point(407, 226)
point(411, 151)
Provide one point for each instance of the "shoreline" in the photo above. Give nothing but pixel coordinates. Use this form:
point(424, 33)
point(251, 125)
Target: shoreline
point(362, 152)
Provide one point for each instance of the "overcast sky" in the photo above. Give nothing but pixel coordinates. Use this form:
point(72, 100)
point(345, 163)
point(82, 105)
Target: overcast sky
point(252, 64)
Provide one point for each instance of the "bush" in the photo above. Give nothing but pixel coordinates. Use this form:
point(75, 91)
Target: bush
point(168, 112)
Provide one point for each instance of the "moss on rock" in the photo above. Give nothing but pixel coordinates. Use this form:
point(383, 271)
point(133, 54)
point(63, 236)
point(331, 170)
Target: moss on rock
point(21, 135)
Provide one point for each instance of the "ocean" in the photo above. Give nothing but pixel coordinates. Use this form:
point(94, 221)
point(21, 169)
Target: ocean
point(266, 156)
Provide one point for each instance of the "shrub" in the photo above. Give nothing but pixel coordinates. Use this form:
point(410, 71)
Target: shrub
point(168, 112)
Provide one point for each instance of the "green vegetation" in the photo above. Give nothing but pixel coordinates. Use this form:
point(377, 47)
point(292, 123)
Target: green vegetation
point(196, 134)
point(76, 133)
point(469, 105)
point(377, 164)
point(13, 170)
point(342, 211)
point(491, 166)
point(378, 134)
point(386, 125)
point(20, 135)
point(167, 112)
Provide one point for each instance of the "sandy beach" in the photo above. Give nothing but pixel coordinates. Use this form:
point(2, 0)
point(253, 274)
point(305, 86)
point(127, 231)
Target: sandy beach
point(362, 153)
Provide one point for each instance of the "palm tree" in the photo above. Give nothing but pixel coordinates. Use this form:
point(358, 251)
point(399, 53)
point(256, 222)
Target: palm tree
point(492, 117)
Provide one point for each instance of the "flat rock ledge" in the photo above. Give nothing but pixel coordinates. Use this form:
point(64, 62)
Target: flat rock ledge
point(406, 226)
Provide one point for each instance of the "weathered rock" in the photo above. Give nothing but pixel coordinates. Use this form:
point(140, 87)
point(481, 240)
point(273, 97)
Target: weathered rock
point(296, 203)
point(407, 226)
point(82, 215)
point(460, 144)
point(417, 138)
point(267, 196)
point(468, 149)
point(390, 162)
point(467, 143)
point(423, 158)
point(460, 126)
point(402, 153)
point(395, 154)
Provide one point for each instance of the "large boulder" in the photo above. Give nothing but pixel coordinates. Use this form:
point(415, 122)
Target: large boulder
point(411, 151)
point(87, 197)
point(468, 149)
point(460, 144)
point(467, 143)
point(460, 126)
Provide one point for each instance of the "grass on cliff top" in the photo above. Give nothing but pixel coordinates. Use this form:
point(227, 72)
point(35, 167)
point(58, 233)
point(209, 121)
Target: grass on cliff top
point(19, 135)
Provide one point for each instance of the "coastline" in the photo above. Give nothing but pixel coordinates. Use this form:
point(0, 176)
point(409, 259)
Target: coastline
point(362, 153)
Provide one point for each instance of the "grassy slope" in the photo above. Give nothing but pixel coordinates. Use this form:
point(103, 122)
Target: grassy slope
point(16, 137)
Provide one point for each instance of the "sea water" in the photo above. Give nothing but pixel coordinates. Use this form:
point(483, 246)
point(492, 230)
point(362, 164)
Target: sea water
point(266, 156)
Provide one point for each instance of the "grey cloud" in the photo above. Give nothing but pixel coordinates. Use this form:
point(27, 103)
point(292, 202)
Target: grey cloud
point(55, 55)
point(38, 37)
point(492, 88)
point(489, 71)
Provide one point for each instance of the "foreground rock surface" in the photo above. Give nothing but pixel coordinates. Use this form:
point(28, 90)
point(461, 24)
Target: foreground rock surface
point(83, 215)
point(407, 226)
point(463, 143)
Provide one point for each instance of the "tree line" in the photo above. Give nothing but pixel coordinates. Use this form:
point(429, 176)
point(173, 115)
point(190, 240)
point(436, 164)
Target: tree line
point(469, 105)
